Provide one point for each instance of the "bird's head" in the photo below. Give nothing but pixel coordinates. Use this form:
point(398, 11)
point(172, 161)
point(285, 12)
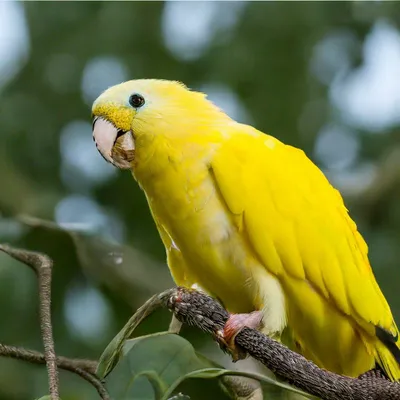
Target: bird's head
point(146, 108)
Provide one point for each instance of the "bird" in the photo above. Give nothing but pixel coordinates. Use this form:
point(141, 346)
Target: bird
point(253, 222)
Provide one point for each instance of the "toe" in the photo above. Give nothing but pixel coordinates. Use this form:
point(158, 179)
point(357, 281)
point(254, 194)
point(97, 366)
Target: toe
point(234, 324)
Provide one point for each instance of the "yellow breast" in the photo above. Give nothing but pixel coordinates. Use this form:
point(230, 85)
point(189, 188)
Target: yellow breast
point(200, 228)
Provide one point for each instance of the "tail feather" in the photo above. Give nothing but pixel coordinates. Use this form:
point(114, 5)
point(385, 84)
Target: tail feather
point(388, 353)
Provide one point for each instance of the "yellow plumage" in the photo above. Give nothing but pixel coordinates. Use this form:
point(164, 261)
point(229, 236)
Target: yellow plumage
point(256, 224)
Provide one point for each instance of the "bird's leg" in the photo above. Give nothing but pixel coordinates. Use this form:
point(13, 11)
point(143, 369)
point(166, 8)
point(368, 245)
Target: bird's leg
point(234, 324)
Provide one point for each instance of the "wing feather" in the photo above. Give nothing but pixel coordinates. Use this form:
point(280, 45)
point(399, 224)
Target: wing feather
point(298, 226)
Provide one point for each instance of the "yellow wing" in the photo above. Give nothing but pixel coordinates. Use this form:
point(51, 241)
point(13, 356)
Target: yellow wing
point(299, 229)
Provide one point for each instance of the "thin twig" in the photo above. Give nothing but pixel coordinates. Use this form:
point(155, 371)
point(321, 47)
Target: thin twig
point(95, 381)
point(42, 265)
point(46, 327)
point(84, 368)
point(36, 357)
point(199, 310)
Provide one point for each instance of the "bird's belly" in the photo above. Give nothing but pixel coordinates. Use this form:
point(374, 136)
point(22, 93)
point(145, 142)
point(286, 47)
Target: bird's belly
point(219, 263)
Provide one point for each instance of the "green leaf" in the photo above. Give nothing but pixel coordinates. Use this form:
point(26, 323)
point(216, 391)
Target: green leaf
point(161, 359)
point(152, 367)
point(112, 353)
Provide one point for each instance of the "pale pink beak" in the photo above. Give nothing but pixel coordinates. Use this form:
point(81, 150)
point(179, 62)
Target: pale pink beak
point(105, 134)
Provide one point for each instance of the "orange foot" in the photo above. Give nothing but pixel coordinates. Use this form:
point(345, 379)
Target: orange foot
point(234, 324)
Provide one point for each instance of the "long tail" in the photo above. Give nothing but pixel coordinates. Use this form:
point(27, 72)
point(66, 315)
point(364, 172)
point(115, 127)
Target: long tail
point(388, 353)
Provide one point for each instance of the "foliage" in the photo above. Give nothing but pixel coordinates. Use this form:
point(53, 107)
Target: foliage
point(154, 366)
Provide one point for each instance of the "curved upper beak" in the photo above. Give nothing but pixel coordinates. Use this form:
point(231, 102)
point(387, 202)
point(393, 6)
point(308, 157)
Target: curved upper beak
point(104, 135)
point(116, 146)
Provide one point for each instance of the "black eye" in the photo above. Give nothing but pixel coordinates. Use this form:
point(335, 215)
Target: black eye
point(136, 100)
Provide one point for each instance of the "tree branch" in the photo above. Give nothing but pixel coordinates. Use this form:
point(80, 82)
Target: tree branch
point(42, 266)
point(199, 310)
point(36, 357)
point(84, 368)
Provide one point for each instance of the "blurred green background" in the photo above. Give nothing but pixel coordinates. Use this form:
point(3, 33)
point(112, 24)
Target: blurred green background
point(321, 76)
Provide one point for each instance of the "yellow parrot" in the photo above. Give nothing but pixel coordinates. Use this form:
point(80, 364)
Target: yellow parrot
point(252, 221)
